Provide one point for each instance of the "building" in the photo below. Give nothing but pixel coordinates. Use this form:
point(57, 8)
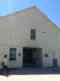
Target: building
point(29, 38)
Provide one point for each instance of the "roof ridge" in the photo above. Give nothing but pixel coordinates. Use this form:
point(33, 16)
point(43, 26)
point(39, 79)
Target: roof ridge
point(24, 9)
point(40, 11)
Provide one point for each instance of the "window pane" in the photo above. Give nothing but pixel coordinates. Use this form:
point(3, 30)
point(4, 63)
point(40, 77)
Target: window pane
point(12, 52)
point(33, 34)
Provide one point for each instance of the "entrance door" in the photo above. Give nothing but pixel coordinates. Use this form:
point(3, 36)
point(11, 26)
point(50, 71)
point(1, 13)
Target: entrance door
point(55, 64)
point(32, 57)
point(12, 57)
point(27, 57)
point(39, 57)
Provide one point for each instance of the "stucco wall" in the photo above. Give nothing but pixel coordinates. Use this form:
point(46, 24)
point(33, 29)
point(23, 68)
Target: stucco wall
point(15, 33)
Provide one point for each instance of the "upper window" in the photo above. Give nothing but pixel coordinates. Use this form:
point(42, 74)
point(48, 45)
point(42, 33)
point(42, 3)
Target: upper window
point(33, 34)
point(12, 52)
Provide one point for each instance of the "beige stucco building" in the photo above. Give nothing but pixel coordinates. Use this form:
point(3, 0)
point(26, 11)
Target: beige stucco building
point(28, 37)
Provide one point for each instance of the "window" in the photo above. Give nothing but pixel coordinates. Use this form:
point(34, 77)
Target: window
point(33, 34)
point(12, 52)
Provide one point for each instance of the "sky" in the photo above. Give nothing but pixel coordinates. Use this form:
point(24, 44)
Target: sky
point(50, 7)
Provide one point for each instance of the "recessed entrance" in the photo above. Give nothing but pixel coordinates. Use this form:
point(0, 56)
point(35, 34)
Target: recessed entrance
point(27, 56)
point(55, 62)
point(32, 57)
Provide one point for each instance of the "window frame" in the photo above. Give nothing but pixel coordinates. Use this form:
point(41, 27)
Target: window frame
point(12, 54)
point(33, 34)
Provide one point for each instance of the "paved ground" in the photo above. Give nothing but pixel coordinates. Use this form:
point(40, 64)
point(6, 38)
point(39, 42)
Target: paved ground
point(30, 71)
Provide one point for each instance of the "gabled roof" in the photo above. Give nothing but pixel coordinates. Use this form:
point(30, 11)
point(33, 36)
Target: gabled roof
point(24, 12)
point(39, 12)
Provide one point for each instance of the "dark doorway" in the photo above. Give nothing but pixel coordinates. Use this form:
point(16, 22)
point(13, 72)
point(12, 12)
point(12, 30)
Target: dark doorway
point(55, 64)
point(32, 57)
point(27, 56)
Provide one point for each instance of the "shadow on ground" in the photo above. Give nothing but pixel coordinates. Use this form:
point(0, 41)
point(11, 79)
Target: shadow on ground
point(30, 71)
